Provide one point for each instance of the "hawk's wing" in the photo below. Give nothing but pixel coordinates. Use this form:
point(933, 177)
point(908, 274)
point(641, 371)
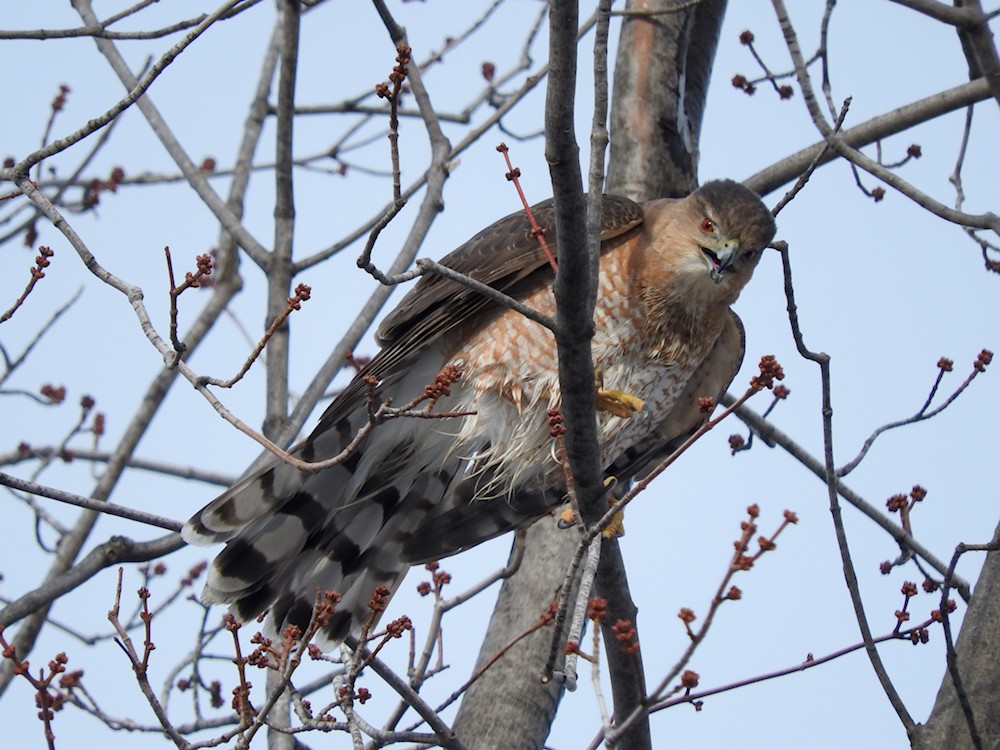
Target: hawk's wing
point(505, 256)
point(291, 532)
point(712, 379)
point(500, 256)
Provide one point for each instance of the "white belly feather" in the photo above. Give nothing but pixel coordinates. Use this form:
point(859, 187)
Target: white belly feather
point(510, 382)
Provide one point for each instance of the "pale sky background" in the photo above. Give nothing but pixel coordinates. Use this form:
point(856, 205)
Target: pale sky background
point(885, 289)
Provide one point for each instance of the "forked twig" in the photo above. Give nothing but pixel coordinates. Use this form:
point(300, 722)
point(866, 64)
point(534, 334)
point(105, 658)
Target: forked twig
point(944, 365)
point(191, 280)
point(302, 294)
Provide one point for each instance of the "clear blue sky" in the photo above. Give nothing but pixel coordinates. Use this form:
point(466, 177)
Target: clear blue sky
point(884, 288)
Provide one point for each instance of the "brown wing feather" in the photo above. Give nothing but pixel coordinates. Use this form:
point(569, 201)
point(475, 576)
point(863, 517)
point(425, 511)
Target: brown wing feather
point(501, 255)
point(712, 378)
point(505, 256)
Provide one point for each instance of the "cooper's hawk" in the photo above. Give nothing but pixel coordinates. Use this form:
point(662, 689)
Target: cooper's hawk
point(419, 489)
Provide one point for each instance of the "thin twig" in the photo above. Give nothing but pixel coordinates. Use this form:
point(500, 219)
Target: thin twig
point(513, 175)
point(810, 662)
point(944, 365)
point(101, 506)
point(804, 177)
point(139, 667)
point(37, 272)
point(850, 575)
point(740, 561)
point(302, 294)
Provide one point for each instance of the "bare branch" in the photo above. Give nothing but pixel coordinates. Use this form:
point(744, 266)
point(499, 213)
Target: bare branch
point(882, 126)
point(830, 474)
point(982, 221)
point(962, 17)
point(116, 550)
point(37, 272)
point(194, 175)
point(101, 29)
point(140, 665)
point(101, 506)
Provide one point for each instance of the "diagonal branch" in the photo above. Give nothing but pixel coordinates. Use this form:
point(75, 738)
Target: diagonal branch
point(981, 221)
point(884, 125)
point(101, 506)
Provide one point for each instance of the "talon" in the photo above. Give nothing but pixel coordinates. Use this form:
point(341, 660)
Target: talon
point(616, 528)
point(567, 518)
point(613, 401)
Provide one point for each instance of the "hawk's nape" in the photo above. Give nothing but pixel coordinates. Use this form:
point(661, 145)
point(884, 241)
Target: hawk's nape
point(419, 489)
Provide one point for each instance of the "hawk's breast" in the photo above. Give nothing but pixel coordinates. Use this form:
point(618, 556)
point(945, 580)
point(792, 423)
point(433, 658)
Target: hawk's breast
point(510, 381)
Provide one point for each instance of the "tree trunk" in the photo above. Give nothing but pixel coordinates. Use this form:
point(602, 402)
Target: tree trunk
point(655, 124)
point(661, 82)
point(979, 670)
point(509, 707)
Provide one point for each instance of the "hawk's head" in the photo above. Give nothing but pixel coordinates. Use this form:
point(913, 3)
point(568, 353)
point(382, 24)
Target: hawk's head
point(702, 249)
point(734, 227)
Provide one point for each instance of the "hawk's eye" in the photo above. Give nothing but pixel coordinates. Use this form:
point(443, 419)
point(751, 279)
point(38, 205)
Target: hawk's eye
point(707, 226)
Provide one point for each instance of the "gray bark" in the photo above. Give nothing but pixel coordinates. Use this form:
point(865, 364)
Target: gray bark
point(654, 138)
point(978, 664)
point(661, 83)
point(279, 282)
point(510, 708)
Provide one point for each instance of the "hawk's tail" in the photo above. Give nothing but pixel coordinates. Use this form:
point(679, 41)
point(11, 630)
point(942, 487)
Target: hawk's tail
point(291, 534)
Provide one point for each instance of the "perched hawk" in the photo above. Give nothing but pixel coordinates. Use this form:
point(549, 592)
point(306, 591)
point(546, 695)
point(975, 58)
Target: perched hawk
point(419, 489)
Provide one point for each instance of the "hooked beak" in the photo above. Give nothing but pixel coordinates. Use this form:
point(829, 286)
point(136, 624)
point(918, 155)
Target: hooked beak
point(720, 262)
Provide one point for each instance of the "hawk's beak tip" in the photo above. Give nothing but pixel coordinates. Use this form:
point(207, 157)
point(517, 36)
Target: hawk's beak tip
point(720, 263)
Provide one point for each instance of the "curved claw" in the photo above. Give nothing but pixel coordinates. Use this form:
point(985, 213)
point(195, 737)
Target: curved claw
point(613, 401)
point(567, 518)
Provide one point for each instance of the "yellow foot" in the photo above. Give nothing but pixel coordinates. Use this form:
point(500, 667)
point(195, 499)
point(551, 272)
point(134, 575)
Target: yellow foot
point(618, 403)
point(567, 518)
point(615, 529)
point(617, 526)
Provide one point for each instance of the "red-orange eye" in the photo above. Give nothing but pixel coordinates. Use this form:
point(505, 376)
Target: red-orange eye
point(707, 226)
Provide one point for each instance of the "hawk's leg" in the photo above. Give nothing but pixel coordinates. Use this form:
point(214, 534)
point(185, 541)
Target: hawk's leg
point(613, 401)
point(614, 529)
